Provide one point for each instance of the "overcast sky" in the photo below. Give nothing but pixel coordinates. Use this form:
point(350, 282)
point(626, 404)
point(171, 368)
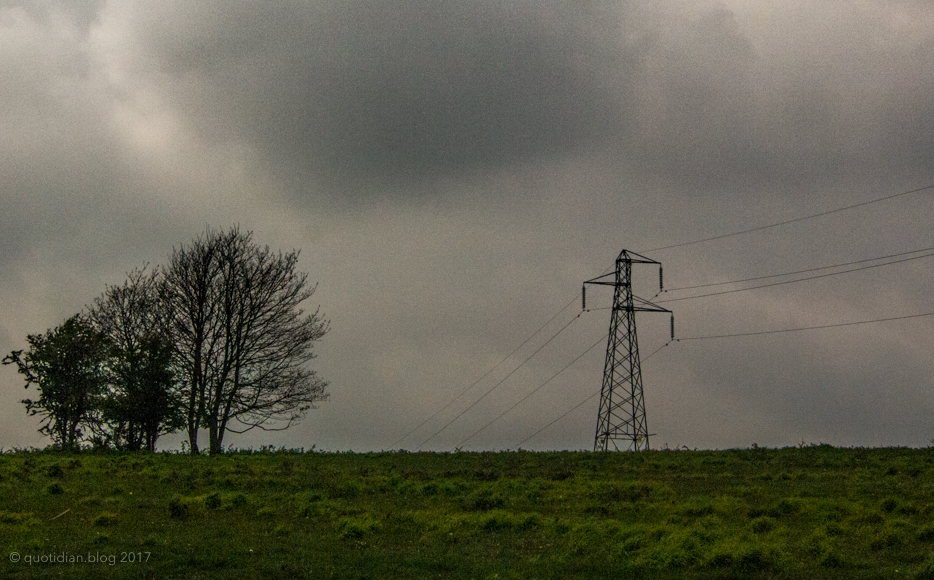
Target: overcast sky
point(453, 171)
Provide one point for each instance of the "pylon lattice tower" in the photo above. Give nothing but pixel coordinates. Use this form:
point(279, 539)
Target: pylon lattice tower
point(621, 422)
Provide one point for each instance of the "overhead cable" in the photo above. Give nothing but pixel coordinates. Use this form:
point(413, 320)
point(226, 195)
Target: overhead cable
point(797, 279)
point(805, 327)
point(520, 401)
point(582, 403)
point(503, 380)
point(791, 221)
point(708, 285)
point(475, 383)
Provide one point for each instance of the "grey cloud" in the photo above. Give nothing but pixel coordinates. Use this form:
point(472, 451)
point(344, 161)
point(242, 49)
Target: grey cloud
point(367, 96)
point(79, 13)
point(841, 97)
point(54, 147)
point(397, 91)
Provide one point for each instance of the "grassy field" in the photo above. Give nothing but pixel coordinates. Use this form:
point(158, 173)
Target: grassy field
point(810, 512)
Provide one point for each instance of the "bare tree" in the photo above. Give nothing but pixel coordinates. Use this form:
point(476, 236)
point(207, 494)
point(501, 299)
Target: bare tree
point(190, 293)
point(242, 336)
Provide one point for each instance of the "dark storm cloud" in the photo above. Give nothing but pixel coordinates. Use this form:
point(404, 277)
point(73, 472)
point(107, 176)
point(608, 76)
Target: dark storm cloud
point(396, 91)
point(367, 95)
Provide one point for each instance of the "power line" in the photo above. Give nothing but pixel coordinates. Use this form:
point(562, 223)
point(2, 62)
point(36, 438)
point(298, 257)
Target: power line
point(568, 412)
point(582, 403)
point(475, 383)
point(838, 325)
point(796, 280)
point(696, 286)
point(520, 401)
point(791, 221)
point(805, 327)
point(459, 415)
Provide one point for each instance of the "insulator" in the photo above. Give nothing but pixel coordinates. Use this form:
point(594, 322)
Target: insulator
point(583, 298)
point(661, 280)
point(672, 327)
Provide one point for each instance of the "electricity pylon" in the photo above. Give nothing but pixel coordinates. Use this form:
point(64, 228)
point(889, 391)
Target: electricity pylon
point(622, 409)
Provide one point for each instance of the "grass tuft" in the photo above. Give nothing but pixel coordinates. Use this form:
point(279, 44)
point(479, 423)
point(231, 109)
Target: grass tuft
point(762, 525)
point(105, 519)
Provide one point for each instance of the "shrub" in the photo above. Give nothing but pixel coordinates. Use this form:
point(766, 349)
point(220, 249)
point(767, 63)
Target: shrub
point(908, 509)
point(178, 510)
point(430, 489)
point(721, 560)
point(212, 501)
point(496, 521)
point(886, 539)
point(626, 492)
point(354, 528)
point(785, 507)
point(926, 572)
point(753, 559)
point(348, 488)
point(151, 540)
point(530, 521)
point(762, 525)
point(889, 505)
point(559, 474)
point(486, 475)
point(13, 517)
point(483, 500)
point(830, 558)
point(702, 508)
point(926, 533)
point(55, 489)
point(238, 500)
point(872, 518)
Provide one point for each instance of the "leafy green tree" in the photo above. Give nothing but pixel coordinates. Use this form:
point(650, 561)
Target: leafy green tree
point(68, 366)
point(142, 400)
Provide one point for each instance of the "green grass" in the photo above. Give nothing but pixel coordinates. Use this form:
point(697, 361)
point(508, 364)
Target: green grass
point(811, 512)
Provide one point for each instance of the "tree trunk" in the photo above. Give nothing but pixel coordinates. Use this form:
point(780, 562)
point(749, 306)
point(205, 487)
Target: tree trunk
point(197, 386)
point(217, 439)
